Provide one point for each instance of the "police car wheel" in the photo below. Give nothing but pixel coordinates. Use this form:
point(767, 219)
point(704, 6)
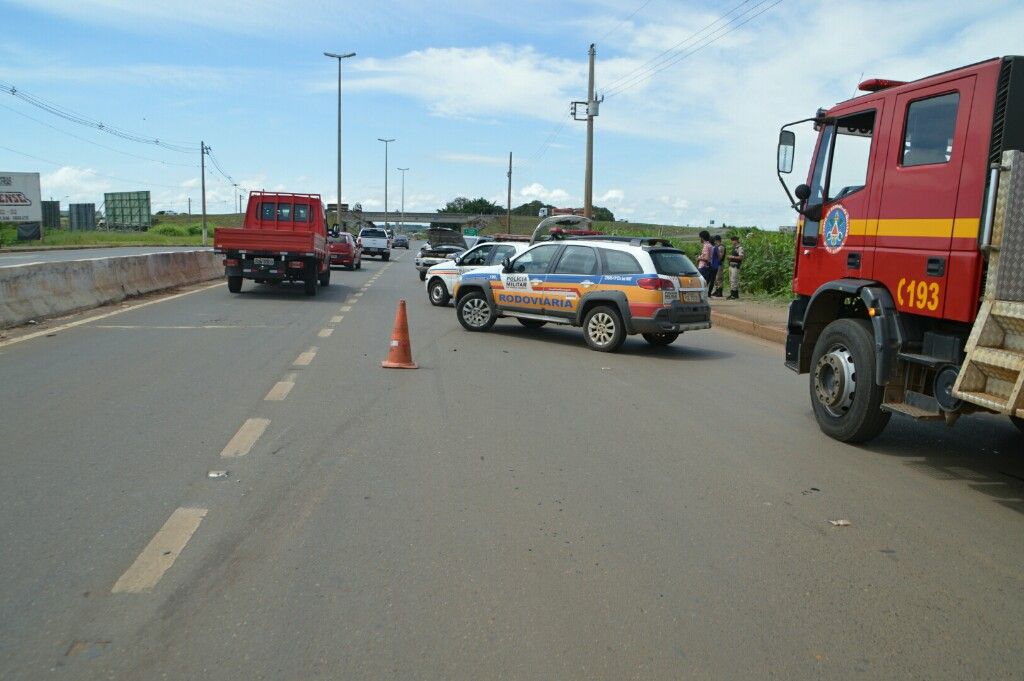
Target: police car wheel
point(603, 329)
point(438, 293)
point(661, 338)
point(475, 313)
point(531, 323)
point(846, 400)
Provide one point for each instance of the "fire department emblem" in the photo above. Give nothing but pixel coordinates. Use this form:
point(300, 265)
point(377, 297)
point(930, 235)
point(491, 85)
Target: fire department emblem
point(837, 226)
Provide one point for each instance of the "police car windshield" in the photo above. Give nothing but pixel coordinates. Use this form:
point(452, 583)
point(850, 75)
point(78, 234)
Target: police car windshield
point(673, 264)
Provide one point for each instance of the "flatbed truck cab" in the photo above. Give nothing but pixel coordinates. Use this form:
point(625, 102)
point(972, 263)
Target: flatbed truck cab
point(283, 238)
point(909, 251)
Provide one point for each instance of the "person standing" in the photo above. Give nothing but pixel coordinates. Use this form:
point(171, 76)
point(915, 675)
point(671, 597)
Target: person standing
point(735, 260)
point(704, 260)
point(718, 264)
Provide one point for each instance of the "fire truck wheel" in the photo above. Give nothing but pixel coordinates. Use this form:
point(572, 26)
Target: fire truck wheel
point(325, 277)
point(234, 284)
point(846, 400)
point(1019, 422)
point(309, 284)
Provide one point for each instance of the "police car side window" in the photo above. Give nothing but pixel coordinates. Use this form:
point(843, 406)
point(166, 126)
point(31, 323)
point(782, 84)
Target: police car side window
point(536, 260)
point(620, 262)
point(477, 257)
point(577, 260)
point(502, 252)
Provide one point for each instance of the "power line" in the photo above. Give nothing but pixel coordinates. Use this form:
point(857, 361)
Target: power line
point(552, 136)
point(667, 54)
point(79, 119)
point(631, 15)
point(102, 146)
point(711, 38)
point(110, 177)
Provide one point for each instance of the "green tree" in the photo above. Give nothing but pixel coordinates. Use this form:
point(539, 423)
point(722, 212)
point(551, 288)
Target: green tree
point(465, 206)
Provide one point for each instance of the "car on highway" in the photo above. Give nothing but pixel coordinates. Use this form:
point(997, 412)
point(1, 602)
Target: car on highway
point(375, 241)
point(345, 250)
point(442, 244)
point(442, 278)
point(610, 287)
point(283, 237)
point(400, 241)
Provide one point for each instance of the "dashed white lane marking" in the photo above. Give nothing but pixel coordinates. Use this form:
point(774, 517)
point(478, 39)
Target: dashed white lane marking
point(245, 438)
point(336, 318)
point(87, 320)
point(324, 333)
point(161, 551)
point(346, 308)
point(306, 357)
point(178, 328)
point(281, 389)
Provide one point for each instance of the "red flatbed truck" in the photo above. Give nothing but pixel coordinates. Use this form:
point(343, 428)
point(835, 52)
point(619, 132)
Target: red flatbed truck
point(909, 251)
point(283, 238)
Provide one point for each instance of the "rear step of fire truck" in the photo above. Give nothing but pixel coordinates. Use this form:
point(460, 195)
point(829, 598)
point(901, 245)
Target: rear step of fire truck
point(993, 371)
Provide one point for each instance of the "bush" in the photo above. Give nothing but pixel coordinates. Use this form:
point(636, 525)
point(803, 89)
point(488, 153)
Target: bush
point(195, 230)
point(768, 267)
point(169, 230)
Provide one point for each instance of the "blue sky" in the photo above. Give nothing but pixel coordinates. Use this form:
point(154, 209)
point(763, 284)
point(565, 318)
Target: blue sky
point(459, 84)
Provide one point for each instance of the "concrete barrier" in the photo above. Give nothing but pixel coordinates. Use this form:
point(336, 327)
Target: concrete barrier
point(55, 288)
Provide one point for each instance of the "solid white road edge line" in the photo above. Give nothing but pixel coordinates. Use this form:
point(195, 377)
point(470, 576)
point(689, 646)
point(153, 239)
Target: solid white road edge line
point(80, 322)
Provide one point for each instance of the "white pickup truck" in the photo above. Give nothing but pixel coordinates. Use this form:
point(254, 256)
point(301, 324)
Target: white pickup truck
point(375, 241)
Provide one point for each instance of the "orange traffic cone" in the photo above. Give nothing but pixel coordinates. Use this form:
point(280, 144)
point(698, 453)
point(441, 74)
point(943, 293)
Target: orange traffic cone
point(400, 354)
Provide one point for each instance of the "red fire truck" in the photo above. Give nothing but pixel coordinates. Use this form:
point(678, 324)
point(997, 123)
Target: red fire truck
point(909, 252)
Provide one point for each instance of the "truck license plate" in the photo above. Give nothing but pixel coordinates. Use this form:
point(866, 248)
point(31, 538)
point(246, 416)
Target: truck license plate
point(263, 261)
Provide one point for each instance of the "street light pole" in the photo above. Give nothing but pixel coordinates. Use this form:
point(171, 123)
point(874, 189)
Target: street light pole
point(386, 143)
point(403, 199)
point(339, 57)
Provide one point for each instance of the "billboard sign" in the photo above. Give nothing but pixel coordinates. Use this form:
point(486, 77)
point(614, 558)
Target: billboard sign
point(19, 198)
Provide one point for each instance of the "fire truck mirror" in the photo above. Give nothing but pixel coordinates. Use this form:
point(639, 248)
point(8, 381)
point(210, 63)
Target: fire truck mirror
point(802, 192)
point(787, 149)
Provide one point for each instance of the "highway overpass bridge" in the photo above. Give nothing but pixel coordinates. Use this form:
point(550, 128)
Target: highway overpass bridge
point(418, 218)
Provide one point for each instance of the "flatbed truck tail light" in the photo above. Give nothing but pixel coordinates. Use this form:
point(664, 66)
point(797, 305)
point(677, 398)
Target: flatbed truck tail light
point(230, 262)
point(655, 284)
point(296, 264)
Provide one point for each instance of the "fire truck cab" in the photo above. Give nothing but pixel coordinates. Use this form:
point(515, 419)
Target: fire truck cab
point(909, 282)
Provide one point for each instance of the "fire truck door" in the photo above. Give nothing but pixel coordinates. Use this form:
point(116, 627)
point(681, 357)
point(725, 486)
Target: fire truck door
point(919, 194)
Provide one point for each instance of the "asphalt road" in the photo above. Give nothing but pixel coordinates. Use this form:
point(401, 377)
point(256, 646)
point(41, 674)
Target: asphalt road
point(13, 258)
point(519, 507)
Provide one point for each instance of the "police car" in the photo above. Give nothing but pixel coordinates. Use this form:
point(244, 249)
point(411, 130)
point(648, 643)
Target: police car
point(612, 287)
point(442, 277)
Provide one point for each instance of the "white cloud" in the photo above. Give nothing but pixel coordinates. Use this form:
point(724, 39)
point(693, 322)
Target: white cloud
point(540, 192)
point(468, 82)
point(79, 185)
point(611, 196)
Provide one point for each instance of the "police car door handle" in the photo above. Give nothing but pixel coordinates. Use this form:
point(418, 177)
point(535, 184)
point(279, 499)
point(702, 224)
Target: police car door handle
point(536, 281)
point(586, 283)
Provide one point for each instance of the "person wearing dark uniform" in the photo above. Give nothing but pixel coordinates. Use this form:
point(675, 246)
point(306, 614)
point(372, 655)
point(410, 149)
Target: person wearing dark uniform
point(735, 260)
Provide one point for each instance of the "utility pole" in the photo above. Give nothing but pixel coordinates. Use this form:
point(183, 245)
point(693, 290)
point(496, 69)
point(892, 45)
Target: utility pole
point(508, 214)
point(190, 210)
point(202, 165)
point(588, 182)
point(386, 143)
point(339, 57)
point(403, 199)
